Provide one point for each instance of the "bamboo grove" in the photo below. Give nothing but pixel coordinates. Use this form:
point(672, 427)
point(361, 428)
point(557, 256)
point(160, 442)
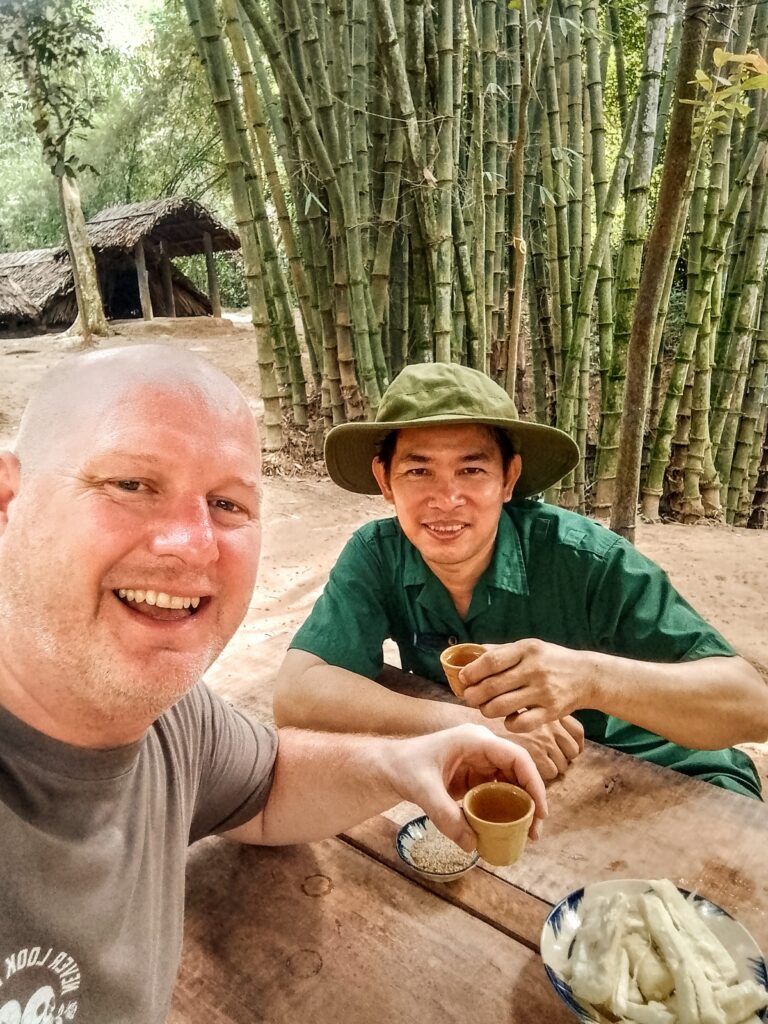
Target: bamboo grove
point(491, 183)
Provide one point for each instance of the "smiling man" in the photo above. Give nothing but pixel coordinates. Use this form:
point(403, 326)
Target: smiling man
point(583, 632)
point(130, 534)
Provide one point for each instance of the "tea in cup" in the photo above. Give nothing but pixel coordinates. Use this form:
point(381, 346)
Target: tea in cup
point(500, 814)
point(453, 659)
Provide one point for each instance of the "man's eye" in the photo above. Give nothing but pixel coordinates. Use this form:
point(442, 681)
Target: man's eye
point(473, 470)
point(226, 505)
point(127, 485)
point(418, 471)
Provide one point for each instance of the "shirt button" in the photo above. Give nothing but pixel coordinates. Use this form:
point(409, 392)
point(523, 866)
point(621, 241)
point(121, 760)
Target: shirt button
point(452, 640)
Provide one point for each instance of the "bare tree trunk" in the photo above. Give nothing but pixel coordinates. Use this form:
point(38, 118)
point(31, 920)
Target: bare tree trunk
point(91, 320)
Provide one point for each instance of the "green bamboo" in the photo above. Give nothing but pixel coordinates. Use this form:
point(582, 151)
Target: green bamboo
point(633, 241)
point(444, 172)
point(710, 264)
point(206, 29)
point(752, 408)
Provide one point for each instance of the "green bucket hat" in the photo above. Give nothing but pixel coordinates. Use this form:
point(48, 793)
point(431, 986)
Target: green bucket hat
point(446, 394)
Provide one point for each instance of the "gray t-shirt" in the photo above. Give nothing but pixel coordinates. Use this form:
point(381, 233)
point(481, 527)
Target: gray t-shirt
point(92, 857)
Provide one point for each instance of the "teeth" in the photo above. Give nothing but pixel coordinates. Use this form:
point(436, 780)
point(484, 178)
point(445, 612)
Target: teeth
point(158, 598)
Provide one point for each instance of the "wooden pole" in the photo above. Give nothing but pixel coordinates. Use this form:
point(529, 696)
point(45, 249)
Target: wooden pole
point(213, 281)
point(165, 267)
point(141, 274)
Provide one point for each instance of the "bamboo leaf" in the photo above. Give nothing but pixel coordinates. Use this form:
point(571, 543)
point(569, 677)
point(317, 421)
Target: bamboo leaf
point(720, 56)
point(756, 82)
point(703, 79)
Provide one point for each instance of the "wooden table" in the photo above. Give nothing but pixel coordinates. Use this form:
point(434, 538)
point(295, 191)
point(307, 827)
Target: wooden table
point(340, 932)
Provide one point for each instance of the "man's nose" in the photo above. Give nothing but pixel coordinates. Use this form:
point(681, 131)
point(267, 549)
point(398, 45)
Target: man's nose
point(447, 493)
point(186, 531)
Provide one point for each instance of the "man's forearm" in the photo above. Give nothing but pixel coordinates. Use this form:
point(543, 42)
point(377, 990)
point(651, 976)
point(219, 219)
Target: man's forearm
point(322, 785)
point(706, 704)
point(329, 698)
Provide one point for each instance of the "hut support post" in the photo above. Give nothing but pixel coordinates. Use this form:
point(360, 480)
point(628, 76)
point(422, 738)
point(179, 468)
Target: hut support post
point(213, 281)
point(141, 273)
point(165, 267)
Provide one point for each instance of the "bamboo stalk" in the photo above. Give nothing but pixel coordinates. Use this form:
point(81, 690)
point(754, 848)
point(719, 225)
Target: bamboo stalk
point(205, 27)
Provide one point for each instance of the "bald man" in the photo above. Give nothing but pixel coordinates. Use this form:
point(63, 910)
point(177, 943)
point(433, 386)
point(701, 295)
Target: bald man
point(129, 542)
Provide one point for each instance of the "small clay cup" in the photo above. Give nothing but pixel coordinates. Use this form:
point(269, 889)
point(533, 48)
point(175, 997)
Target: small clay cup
point(453, 659)
point(500, 814)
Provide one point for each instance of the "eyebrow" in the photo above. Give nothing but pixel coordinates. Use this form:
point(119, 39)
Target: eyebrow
point(250, 483)
point(471, 457)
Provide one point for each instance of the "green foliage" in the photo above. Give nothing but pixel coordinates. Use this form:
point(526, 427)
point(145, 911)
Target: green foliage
point(230, 273)
point(725, 96)
point(153, 130)
point(48, 45)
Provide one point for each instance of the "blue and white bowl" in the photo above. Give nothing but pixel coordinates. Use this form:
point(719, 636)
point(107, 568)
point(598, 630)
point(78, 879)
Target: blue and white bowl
point(417, 829)
point(564, 921)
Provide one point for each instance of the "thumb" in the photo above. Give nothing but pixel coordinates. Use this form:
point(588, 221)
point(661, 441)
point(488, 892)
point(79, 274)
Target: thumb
point(448, 817)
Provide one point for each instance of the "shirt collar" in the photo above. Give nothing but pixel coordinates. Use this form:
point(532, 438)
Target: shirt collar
point(506, 571)
point(507, 568)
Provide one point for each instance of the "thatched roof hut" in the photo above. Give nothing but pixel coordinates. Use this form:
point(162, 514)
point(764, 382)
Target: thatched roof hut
point(133, 246)
point(178, 222)
point(15, 307)
point(44, 277)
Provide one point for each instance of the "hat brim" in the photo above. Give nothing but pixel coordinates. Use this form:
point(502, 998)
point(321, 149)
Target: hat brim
point(547, 453)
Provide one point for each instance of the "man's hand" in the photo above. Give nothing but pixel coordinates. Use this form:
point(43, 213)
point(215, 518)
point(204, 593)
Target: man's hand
point(435, 770)
point(535, 681)
point(553, 746)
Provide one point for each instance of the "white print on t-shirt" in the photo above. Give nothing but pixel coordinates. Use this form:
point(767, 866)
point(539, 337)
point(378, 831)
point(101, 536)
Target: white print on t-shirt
point(41, 984)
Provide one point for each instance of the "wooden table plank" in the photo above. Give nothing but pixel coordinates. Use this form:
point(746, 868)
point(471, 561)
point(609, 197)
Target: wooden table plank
point(326, 934)
point(479, 893)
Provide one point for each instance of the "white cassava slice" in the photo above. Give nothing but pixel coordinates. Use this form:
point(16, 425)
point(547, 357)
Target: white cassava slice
point(714, 958)
point(741, 1001)
point(696, 1002)
point(653, 977)
point(595, 959)
point(649, 1013)
point(620, 995)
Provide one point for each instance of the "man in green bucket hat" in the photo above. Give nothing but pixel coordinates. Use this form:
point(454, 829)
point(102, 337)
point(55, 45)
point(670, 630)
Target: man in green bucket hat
point(584, 635)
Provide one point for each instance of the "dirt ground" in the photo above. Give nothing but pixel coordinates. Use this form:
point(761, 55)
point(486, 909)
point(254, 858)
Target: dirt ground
point(721, 571)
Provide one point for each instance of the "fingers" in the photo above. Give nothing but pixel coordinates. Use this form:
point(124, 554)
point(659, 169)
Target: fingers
point(566, 744)
point(495, 660)
point(502, 706)
point(530, 719)
point(575, 729)
point(448, 817)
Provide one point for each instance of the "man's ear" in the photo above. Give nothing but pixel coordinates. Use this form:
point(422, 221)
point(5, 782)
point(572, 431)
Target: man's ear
point(512, 475)
point(382, 479)
point(10, 475)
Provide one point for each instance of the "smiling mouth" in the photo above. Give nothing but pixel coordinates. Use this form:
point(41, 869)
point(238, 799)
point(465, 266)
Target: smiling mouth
point(445, 531)
point(157, 604)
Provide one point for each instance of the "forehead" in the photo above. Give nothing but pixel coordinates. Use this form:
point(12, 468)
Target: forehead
point(446, 441)
point(174, 425)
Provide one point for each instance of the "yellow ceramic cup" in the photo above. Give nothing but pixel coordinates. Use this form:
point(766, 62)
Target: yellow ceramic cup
point(453, 659)
point(500, 814)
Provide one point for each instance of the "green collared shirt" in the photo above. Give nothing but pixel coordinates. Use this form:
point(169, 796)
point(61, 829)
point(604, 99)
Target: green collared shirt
point(554, 575)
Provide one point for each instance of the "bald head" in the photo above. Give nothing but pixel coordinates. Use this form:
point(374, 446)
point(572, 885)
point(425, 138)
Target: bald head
point(73, 400)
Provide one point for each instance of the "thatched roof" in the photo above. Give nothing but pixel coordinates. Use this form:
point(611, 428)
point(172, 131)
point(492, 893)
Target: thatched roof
point(177, 221)
point(41, 274)
point(14, 305)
